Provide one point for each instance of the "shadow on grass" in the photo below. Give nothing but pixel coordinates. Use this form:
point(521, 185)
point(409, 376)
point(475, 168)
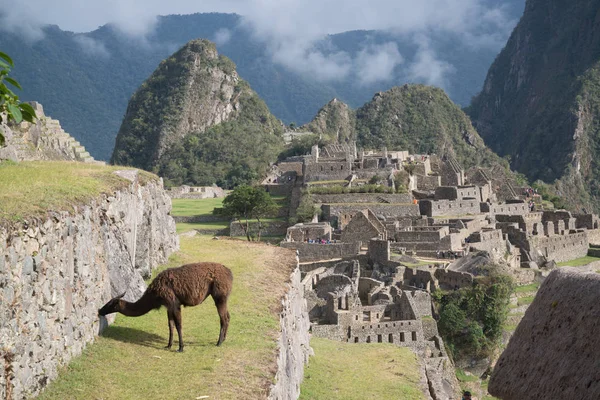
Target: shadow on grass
point(135, 336)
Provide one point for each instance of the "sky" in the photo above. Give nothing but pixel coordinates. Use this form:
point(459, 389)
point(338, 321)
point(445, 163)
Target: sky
point(289, 28)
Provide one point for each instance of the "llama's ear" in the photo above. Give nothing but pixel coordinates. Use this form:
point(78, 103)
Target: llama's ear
point(118, 297)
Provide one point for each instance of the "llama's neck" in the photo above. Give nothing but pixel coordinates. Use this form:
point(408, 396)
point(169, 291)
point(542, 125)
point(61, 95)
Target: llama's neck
point(146, 303)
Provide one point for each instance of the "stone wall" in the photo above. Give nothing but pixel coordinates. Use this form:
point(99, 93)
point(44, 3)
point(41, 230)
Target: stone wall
point(269, 228)
point(333, 211)
point(402, 198)
point(56, 273)
point(327, 170)
point(316, 252)
point(428, 182)
point(561, 247)
point(293, 342)
point(448, 207)
point(196, 192)
point(44, 140)
point(449, 279)
point(519, 208)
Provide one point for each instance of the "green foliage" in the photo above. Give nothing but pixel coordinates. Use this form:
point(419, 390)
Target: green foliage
point(307, 209)
point(9, 101)
point(401, 181)
point(471, 318)
point(248, 202)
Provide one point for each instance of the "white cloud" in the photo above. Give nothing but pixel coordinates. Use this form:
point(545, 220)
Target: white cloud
point(377, 63)
point(91, 46)
point(290, 28)
point(427, 68)
point(222, 36)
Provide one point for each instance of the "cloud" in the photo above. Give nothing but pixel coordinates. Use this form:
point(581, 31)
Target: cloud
point(91, 46)
point(291, 28)
point(377, 63)
point(427, 68)
point(222, 36)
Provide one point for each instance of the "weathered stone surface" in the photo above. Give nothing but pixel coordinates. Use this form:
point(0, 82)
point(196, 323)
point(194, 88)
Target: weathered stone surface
point(49, 300)
point(293, 343)
point(554, 351)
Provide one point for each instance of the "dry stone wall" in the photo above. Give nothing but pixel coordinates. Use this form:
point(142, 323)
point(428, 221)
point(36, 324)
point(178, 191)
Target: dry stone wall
point(293, 343)
point(55, 274)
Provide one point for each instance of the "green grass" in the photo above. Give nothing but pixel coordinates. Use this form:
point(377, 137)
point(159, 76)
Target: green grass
point(463, 377)
point(129, 360)
point(202, 226)
point(578, 262)
point(532, 287)
point(31, 189)
point(347, 371)
point(525, 300)
point(193, 207)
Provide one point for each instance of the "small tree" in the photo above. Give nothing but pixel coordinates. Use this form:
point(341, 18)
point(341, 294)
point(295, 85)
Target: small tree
point(9, 102)
point(306, 209)
point(248, 202)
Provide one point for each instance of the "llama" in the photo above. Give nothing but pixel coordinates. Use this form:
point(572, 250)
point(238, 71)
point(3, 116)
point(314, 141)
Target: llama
point(188, 285)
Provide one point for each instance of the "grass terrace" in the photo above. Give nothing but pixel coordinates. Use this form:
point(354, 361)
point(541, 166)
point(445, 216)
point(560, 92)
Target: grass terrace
point(578, 262)
point(355, 371)
point(193, 207)
point(129, 360)
point(30, 189)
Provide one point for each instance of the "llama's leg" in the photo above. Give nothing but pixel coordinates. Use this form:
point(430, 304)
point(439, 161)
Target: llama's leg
point(177, 315)
point(224, 316)
point(171, 325)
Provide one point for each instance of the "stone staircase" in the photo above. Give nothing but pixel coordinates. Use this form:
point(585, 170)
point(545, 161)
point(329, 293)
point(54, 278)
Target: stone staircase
point(56, 138)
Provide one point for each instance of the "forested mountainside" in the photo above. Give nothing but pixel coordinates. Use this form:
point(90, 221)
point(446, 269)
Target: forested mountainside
point(540, 104)
point(195, 121)
point(86, 79)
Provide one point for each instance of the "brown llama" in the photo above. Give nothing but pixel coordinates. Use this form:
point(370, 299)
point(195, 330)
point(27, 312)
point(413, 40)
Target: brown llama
point(188, 285)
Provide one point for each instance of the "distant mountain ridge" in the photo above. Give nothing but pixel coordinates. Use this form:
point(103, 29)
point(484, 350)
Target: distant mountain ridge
point(86, 80)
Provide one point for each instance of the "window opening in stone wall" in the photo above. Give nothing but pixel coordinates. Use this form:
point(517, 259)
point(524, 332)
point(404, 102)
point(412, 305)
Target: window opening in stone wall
point(391, 338)
point(414, 336)
point(379, 339)
point(368, 339)
point(402, 336)
point(355, 339)
point(366, 315)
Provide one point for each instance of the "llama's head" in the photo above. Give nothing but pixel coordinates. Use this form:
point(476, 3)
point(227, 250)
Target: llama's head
point(113, 306)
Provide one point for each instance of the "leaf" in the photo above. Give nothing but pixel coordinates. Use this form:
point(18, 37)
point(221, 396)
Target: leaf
point(27, 108)
point(13, 82)
point(7, 58)
point(4, 65)
point(15, 113)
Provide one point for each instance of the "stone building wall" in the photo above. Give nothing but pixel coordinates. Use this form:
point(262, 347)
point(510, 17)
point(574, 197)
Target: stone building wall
point(326, 170)
point(449, 208)
point(561, 247)
point(316, 252)
point(196, 192)
point(451, 279)
point(333, 211)
point(56, 273)
point(428, 182)
point(402, 198)
point(520, 208)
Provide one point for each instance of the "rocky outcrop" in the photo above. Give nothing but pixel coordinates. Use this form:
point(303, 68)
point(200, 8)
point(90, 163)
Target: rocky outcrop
point(56, 273)
point(335, 121)
point(44, 140)
point(293, 342)
point(554, 351)
point(540, 101)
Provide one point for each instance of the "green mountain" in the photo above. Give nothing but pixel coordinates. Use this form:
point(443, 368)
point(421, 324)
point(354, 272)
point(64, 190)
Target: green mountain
point(336, 122)
point(195, 121)
point(86, 79)
point(421, 119)
point(540, 104)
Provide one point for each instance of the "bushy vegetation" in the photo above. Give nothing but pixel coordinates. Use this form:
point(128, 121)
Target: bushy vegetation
point(471, 319)
point(246, 203)
point(306, 210)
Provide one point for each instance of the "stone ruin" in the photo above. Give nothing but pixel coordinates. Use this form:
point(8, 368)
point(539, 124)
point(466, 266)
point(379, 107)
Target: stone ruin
point(196, 192)
point(43, 140)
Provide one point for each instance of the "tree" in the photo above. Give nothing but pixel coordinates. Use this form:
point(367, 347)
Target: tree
point(248, 202)
point(9, 102)
point(307, 209)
